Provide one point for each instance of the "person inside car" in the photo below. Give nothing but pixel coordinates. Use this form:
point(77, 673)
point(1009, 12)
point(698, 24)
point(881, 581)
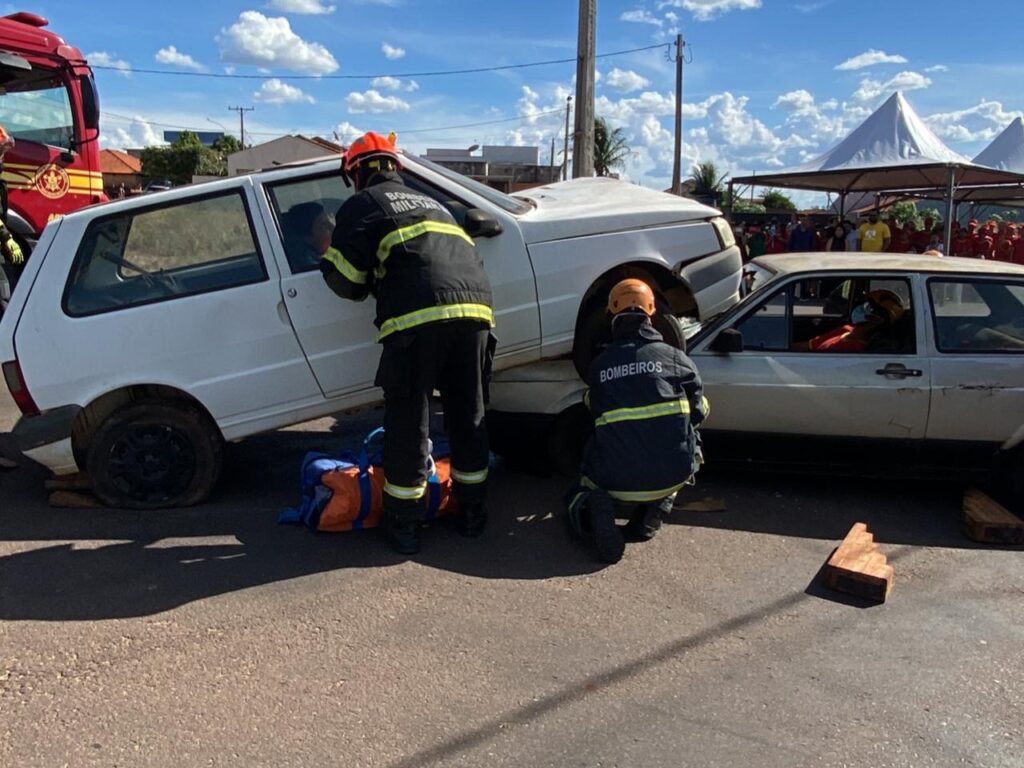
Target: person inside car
point(880, 309)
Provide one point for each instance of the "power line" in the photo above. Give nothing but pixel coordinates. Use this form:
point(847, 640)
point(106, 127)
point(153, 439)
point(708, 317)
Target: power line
point(438, 73)
point(517, 118)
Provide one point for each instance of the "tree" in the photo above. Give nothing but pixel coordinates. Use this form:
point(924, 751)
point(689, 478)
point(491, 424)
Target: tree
point(707, 182)
point(183, 159)
point(610, 148)
point(931, 213)
point(904, 212)
point(226, 145)
point(775, 200)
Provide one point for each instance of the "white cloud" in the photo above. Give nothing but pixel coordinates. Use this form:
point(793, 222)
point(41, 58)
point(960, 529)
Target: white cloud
point(309, 7)
point(127, 134)
point(275, 91)
point(345, 133)
point(392, 51)
point(104, 59)
point(706, 10)
point(937, 68)
point(270, 42)
point(871, 90)
point(870, 58)
point(624, 80)
point(982, 122)
point(373, 101)
point(395, 84)
point(642, 17)
point(818, 123)
point(174, 57)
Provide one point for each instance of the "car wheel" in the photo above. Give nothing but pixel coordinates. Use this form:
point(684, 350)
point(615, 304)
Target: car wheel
point(151, 455)
point(595, 331)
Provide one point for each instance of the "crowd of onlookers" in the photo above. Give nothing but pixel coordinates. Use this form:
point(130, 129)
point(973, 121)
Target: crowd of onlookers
point(992, 239)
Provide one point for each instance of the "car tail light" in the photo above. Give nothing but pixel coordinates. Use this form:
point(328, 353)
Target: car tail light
point(19, 390)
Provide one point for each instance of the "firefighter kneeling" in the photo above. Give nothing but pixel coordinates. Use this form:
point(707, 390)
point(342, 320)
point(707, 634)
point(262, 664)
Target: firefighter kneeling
point(647, 399)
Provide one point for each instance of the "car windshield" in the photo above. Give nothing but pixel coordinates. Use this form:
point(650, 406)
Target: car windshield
point(36, 107)
point(491, 195)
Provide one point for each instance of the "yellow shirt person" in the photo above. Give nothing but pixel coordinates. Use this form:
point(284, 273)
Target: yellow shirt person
point(874, 235)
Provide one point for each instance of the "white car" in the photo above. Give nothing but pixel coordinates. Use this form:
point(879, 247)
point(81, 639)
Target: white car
point(146, 331)
point(942, 389)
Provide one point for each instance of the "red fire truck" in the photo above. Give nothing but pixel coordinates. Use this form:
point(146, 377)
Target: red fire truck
point(49, 104)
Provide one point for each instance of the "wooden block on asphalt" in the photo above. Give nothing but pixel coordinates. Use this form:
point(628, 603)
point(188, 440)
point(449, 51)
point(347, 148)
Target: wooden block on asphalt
point(76, 482)
point(858, 567)
point(703, 505)
point(73, 500)
point(988, 521)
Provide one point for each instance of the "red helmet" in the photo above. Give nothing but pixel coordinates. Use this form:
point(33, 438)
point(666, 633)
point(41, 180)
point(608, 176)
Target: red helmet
point(368, 146)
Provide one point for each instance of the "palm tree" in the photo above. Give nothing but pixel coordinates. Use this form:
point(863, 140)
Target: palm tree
point(706, 180)
point(610, 148)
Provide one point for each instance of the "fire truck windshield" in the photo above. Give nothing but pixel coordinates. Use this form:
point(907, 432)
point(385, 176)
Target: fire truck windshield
point(38, 110)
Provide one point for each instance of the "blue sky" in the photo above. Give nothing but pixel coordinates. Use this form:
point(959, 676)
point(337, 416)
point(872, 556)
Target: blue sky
point(771, 82)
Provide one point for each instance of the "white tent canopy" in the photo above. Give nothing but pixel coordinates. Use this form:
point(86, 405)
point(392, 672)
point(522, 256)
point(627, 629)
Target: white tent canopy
point(892, 150)
point(1006, 152)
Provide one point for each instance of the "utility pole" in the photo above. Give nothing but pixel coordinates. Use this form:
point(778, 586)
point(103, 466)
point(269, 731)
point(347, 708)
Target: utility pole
point(583, 145)
point(551, 159)
point(677, 180)
point(241, 119)
point(565, 150)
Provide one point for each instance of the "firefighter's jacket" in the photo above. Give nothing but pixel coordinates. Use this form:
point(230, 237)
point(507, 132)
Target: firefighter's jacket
point(405, 248)
point(647, 399)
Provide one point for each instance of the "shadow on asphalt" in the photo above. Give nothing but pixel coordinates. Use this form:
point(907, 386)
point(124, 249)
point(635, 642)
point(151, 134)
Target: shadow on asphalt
point(916, 512)
point(127, 564)
point(124, 564)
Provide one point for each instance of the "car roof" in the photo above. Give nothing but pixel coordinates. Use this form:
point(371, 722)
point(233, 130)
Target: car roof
point(786, 263)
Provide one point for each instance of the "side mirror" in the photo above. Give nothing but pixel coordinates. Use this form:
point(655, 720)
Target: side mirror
point(727, 342)
point(481, 224)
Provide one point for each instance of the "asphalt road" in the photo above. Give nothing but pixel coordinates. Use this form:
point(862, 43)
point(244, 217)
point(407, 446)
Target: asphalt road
point(215, 637)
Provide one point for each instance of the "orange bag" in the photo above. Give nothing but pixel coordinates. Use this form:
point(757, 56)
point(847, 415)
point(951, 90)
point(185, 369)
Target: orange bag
point(347, 494)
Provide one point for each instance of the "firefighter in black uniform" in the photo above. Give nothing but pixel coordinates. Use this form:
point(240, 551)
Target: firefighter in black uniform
point(647, 401)
point(434, 317)
point(11, 256)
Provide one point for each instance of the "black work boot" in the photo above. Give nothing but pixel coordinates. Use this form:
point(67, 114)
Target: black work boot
point(644, 523)
point(404, 536)
point(607, 537)
point(473, 520)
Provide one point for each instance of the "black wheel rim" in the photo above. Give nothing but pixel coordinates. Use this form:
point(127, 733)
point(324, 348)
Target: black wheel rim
point(152, 463)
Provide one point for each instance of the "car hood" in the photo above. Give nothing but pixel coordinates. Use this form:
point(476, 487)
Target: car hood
point(595, 206)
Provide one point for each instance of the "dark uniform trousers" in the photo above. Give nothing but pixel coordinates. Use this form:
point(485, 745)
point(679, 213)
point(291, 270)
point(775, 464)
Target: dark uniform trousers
point(451, 357)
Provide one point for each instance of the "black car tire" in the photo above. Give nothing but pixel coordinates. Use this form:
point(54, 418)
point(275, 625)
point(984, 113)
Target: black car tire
point(155, 455)
point(595, 332)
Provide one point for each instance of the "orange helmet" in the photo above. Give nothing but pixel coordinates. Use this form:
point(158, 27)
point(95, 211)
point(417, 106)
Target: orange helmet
point(368, 146)
point(888, 302)
point(631, 294)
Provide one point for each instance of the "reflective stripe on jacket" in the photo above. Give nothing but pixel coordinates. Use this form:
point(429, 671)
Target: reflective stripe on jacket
point(646, 398)
point(405, 248)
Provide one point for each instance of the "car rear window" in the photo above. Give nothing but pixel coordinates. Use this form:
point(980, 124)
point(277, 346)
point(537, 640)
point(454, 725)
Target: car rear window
point(977, 316)
point(153, 254)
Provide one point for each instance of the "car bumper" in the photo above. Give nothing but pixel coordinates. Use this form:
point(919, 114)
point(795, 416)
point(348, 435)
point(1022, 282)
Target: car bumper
point(714, 281)
point(46, 439)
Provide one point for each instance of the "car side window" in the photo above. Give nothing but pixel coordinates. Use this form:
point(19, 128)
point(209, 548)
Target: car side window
point(177, 249)
point(456, 208)
point(766, 328)
point(855, 314)
point(306, 212)
point(977, 316)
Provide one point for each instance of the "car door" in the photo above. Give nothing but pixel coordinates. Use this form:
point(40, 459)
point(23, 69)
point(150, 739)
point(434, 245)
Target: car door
point(338, 336)
point(809, 401)
point(977, 347)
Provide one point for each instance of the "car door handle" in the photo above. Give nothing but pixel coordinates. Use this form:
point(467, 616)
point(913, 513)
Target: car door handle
point(900, 370)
